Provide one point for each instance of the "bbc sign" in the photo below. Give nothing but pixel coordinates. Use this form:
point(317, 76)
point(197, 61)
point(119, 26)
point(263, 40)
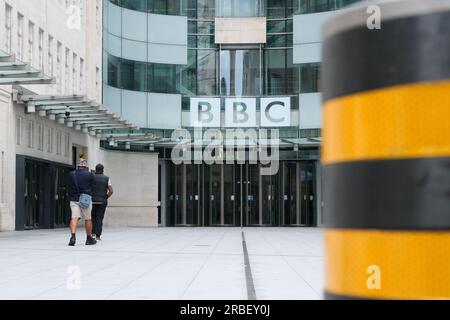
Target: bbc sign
point(241, 112)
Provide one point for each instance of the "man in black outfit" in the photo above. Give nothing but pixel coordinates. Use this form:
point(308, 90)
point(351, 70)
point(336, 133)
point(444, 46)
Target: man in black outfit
point(101, 192)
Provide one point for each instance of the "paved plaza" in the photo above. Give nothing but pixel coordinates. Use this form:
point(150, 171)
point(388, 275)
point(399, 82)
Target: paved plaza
point(165, 263)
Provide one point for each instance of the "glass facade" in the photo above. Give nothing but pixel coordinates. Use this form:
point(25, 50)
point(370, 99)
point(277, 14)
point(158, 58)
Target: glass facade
point(212, 71)
point(142, 76)
point(170, 7)
point(237, 195)
point(223, 194)
point(239, 8)
point(314, 6)
point(233, 8)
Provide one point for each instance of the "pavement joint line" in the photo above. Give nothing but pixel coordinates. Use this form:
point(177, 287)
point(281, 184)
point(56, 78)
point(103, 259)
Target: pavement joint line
point(290, 266)
point(251, 292)
point(203, 265)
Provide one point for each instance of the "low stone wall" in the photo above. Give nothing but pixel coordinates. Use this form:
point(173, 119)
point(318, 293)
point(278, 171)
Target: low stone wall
point(135, 181)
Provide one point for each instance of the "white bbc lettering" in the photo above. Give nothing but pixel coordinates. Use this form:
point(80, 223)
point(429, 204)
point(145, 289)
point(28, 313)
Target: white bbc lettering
point(240, 112)
point(205, 112)
point(275, 112)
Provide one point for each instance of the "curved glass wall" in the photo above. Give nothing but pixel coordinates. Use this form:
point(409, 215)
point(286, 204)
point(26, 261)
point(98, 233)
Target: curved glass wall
point(211, 70)
point(169, 7)
point(142, 76)
point(314, 6)
point(232, 8)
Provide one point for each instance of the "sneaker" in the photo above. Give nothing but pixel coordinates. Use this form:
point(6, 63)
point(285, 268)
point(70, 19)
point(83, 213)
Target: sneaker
point(98, 239)
point(72, 241)
point(90, 241)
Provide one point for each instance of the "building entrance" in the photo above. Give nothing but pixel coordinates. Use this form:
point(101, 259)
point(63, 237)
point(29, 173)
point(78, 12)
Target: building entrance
point(237, 195)
point(42, 194)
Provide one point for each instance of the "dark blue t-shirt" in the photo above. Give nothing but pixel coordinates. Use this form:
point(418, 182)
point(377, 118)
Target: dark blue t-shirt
point(85, 180)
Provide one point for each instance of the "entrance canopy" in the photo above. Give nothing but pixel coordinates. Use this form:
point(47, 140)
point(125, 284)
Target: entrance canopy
point(76, 111)
point(16, 72)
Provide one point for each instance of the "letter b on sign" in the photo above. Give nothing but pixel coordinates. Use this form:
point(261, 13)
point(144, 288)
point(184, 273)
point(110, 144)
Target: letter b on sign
point(205, 112)
point(240, 113)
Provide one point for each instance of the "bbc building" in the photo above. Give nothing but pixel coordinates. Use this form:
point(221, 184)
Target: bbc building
point(137, 84)
point(222, 64)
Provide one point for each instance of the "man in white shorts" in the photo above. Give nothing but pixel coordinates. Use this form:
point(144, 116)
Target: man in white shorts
point(81, 181)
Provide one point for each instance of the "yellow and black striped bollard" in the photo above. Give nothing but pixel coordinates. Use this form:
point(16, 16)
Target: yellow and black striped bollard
point(386, 151)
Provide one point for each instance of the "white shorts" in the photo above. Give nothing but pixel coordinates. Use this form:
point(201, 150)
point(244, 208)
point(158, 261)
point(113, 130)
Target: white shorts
point(78, 213)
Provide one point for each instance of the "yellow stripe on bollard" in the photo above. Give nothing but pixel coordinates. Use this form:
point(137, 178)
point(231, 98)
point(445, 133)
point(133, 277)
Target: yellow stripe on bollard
point(398, 122)
point(388, 264)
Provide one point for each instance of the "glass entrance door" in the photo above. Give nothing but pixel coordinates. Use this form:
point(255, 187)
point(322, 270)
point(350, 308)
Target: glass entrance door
point(61, 197)
point(34, 201)
point(290, 197)
point(184, 195)
point(308, 193)
point(270, 200)
point(299, 193)
point(237, 195)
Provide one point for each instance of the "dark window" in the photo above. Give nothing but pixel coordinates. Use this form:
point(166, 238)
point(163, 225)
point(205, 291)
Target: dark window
point(201, 9)
point(189, 75)
point(134, 4)
point(275, 71)
point(164, 78)
point(276, 26)
point(169, 7)
point(113, 71)
point(207, 75)
point(133, 75)
point(239, 8)
point(281, 75)
point(309, 77)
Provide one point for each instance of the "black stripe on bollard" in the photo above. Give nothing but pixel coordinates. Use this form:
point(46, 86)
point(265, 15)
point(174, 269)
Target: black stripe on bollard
point(332, 296)
point(410, 194)
point(360, 59)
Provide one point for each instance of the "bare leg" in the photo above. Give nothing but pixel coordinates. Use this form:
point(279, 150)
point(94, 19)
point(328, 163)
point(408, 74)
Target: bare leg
point(88, 227)
point(73, 225)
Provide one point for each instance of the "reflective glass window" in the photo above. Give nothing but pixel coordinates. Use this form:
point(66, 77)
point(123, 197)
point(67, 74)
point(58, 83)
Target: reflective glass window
point(309, 78)
point(276, 8)
point(240, 72)
point(292, 74)
point(169, 7)
point(313, 6)
point(205, 27)
point(276, 26)
point(189, 75)
point(277, 41)
point(113, 71)
point(133, 75)
point(134, 4)
point(239, 8)
point(275, 72)
point(164, 78)
point(201, 9)
point(207, 75)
